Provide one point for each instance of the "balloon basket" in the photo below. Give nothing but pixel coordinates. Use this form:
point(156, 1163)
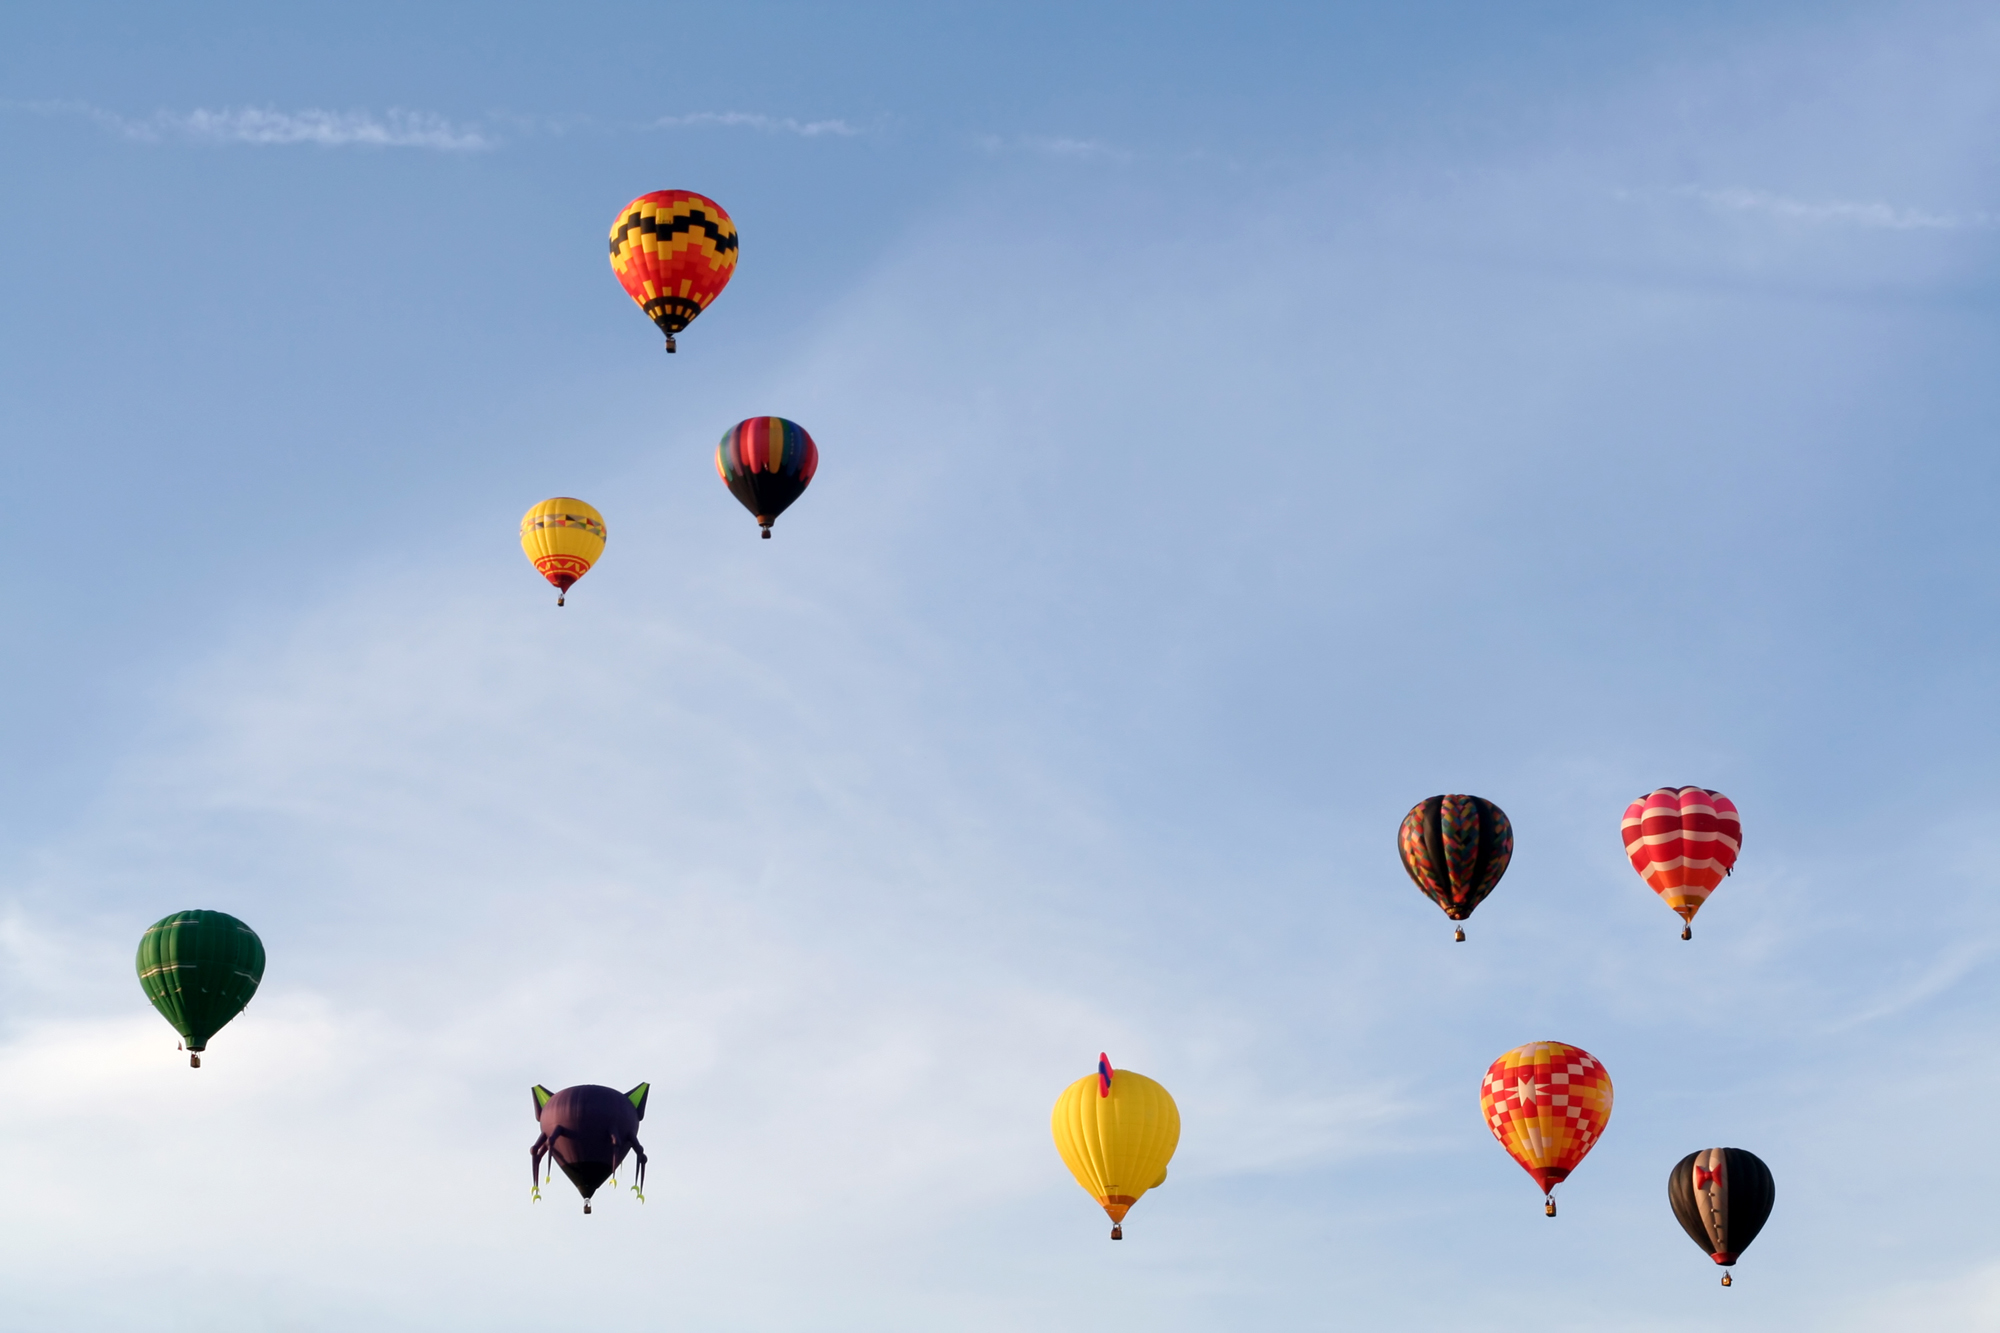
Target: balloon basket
point(1117, 1231)
point(1549, 1208)
point(1687, 932)
point(1728, 1281)
point(670, 343)
point(1459, 935)
point(194, 1061)
point(586, 1206)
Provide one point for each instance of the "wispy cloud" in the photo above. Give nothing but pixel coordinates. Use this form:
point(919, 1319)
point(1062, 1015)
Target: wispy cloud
point(394, 128)
point(810, 129)
point(1056, 146)
point(1875, 216)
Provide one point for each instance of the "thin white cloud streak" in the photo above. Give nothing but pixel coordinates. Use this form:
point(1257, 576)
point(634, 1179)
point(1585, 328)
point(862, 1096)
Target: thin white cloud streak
point(1058, 145)
point(1871, 216)
point(807, 129)
point(268, 126)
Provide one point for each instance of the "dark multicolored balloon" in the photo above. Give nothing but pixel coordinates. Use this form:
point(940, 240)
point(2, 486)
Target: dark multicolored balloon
point(766, 462)
point(199, 969)
point(1456, 848)
point(1722, 1197)
point(587, 1130)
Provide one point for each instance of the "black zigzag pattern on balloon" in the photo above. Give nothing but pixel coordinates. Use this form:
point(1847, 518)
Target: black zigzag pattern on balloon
point(695, 220)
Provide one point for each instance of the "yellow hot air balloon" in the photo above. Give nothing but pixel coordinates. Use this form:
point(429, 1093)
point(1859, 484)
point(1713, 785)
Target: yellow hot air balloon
point(564, 537)
point(1116, 1131)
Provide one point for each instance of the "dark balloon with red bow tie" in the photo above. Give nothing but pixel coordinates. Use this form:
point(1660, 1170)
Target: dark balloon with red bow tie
point(1722, 1198)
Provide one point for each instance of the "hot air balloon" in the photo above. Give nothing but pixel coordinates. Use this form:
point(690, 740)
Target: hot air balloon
point(1683, 841)
point(674, 251)
point(1456, 848)
point(1548, 1104)
point(199, 969)
point(587, 1130)
point(564, 538)
point(1722, 1197)
point(766, 462)
point(1116, 1131)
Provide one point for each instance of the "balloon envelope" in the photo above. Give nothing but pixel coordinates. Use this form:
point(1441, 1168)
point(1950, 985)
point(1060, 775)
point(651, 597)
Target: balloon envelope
point(587, 1130)
point(1456, 848)
point(1116, 1135)
point(199, 968)
point(1722, 1197)
point(673, 251)
point(766, 462)
point(1683, 841)
point(1547, 1103)
point(563, 538)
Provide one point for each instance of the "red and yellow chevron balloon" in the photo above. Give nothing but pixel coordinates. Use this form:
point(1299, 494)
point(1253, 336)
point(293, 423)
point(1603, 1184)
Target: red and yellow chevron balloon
point(1548, 1104)
point(563, 537)
point(1683, 841)
point(674, 251)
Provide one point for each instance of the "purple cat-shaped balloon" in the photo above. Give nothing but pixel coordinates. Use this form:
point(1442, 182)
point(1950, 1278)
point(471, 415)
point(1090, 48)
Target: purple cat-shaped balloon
point(587, 1130)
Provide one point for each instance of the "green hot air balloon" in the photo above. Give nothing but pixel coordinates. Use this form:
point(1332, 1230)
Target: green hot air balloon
point(199, 969)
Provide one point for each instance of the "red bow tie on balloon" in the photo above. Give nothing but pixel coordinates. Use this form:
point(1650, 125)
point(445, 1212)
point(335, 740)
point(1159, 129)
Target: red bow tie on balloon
point(1703, 1178)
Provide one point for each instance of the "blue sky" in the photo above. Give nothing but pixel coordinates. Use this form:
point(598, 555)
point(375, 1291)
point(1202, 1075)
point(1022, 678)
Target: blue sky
point(1234, 429)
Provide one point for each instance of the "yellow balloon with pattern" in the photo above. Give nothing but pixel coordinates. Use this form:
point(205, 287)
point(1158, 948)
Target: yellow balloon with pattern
point(563, 537)
point(1116, 1131)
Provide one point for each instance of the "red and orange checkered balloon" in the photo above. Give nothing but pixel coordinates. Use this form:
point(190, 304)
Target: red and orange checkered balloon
point(1548, 1104)
point(1683, 841)
point(673, 251)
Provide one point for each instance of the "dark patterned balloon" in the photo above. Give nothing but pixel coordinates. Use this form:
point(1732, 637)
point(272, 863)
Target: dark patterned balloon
point(1722, 1198)
point(1456, 848)
point(587, 1130)
point(766, 462)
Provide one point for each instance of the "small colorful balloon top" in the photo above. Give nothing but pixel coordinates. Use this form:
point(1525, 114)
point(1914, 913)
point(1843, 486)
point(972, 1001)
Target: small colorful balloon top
point(1721, 1197)
point(564, 537)
point(587, 1130)
point(1116, 1131)
point(1456, 848)
point(766, 462)
point(1683, 841)
point(1547, 1103)
point(673, 251)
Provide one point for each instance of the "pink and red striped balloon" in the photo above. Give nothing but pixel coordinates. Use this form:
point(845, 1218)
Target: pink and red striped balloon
point(1683, 841)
